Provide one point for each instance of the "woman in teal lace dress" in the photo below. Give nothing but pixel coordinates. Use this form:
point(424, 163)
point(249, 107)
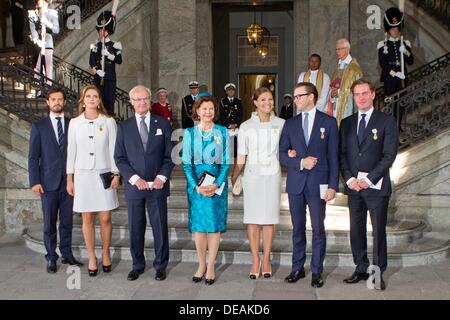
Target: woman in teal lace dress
point(206, 148)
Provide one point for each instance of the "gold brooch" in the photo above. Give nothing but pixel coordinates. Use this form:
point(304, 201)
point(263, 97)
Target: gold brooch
point(100, 127)
point(322, 133)
point(375, 134)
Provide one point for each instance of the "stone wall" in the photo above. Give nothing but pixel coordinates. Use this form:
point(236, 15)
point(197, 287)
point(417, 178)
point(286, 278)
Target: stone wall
point(19, 207)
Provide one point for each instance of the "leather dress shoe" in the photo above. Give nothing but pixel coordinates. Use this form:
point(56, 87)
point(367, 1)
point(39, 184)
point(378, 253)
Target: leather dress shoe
point(72, 261)
point(294, 276)
point(51, 266)
point(317, 281)
point(160, 275)
point(356, 277)
point(134, 274)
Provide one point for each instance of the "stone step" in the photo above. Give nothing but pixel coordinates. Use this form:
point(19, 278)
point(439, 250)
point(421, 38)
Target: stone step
point(337, 229)
point(432, 248)
point(179, 200)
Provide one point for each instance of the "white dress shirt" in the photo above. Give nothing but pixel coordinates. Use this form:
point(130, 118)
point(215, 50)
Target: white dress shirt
point(311, 116)
point(55, 123)
point(135, 177)
point(322, 101)
point(368, 115)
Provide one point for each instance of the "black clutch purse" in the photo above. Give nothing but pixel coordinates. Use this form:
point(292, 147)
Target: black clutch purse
point(106, 179)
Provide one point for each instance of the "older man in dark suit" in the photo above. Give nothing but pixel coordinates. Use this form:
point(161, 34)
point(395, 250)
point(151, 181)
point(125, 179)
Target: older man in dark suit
point(143, 156)
point(369, 143)
point(47, 173)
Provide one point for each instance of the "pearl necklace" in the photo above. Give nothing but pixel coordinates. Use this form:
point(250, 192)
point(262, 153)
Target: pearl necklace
point(209, 132)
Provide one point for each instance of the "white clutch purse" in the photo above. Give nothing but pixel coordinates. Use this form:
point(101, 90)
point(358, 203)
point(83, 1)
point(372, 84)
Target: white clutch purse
point(237, 187)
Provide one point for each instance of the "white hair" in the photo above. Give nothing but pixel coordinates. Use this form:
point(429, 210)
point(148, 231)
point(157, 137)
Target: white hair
point(344, 42)
point(132, 91)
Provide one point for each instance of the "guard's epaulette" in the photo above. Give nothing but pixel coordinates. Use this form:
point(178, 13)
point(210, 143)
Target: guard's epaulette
point(117, 45)
point(380, 45)
point(94, 47)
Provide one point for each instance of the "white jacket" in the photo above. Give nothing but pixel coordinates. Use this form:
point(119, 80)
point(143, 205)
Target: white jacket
point(91, 144)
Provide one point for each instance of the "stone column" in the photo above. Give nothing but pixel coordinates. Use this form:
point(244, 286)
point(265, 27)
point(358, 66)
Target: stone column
point(301, 36)
point(204, 43)
point(329, 21)
point(177, 36)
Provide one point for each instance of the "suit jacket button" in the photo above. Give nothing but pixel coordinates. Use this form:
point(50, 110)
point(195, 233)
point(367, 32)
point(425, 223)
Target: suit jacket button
point(91, 154)
point(360, 154)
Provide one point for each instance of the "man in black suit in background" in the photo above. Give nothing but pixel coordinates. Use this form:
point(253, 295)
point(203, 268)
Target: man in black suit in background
point(368, 147)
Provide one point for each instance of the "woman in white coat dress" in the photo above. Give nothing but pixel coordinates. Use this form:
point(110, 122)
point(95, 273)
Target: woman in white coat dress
point(258, 141)
point(90, 151)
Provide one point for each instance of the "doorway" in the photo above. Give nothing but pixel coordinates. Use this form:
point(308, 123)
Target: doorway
point(248, 83)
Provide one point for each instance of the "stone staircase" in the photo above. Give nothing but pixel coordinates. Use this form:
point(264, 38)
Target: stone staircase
point(409, 242)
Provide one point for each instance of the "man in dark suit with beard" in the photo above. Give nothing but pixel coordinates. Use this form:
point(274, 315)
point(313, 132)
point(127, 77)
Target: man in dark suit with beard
point(368, 147)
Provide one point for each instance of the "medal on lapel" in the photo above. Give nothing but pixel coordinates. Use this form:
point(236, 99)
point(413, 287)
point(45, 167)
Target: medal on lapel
point(322, 133)
point(375, 134)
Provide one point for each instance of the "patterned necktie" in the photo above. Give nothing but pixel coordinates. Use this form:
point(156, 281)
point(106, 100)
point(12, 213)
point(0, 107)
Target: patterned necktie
point(143, 132)
point(306, 128)
point(362, 128)
point(60, 134)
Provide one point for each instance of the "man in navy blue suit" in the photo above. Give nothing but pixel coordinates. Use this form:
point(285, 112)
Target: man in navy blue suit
point(309, 147)
point(47, 175)
point(143, 156)
point(369, 144)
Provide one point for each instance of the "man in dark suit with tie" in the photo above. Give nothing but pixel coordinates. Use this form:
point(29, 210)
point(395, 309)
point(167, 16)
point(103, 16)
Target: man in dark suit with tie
point(309, 146)
point(369, 143)
point(143, 156)
point(47, 174)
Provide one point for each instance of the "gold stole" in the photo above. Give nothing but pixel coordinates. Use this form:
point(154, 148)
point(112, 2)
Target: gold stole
point(319, 80)
point(348, 75)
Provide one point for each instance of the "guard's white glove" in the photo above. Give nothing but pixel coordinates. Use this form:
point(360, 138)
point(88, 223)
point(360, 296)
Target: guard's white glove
point(47, 23)
point(403, 50)
point(40, 43)
point(105, 52)
point(400, 75)
point(100, 73)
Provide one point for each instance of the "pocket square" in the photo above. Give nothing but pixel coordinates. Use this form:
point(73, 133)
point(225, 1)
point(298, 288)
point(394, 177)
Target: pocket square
point(158, 132)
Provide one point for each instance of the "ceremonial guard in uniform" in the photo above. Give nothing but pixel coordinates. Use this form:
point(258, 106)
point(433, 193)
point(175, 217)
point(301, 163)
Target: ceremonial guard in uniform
point(391, 52)
point(43, 25)
point(186, 105)
point(288, 110)
point(230, 114)
point(105, 54)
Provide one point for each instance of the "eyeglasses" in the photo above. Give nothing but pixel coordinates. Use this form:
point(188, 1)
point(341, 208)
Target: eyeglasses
point(301, 95)
point(141, 99)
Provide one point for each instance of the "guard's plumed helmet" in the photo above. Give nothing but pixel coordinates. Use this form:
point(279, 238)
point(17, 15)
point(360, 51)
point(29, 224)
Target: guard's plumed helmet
point(393, 18)
point(106, 20)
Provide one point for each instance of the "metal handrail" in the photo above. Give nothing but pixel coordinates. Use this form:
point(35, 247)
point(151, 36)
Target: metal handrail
point(425, 106)
point(18, 101)
point(416, 75)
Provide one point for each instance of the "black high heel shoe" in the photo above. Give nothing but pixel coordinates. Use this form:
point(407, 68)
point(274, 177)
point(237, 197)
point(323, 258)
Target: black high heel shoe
point(94, 272)
point(198, 279)
point(209, 281)
point(107, 269)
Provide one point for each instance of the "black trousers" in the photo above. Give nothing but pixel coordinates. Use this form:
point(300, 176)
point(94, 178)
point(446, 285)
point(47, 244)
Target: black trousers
point(108, 91)
point(378, 208)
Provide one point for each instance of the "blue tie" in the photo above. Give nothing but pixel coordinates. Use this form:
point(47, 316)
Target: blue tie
point(60, 134)
point(362, 128)
point(306, 128)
